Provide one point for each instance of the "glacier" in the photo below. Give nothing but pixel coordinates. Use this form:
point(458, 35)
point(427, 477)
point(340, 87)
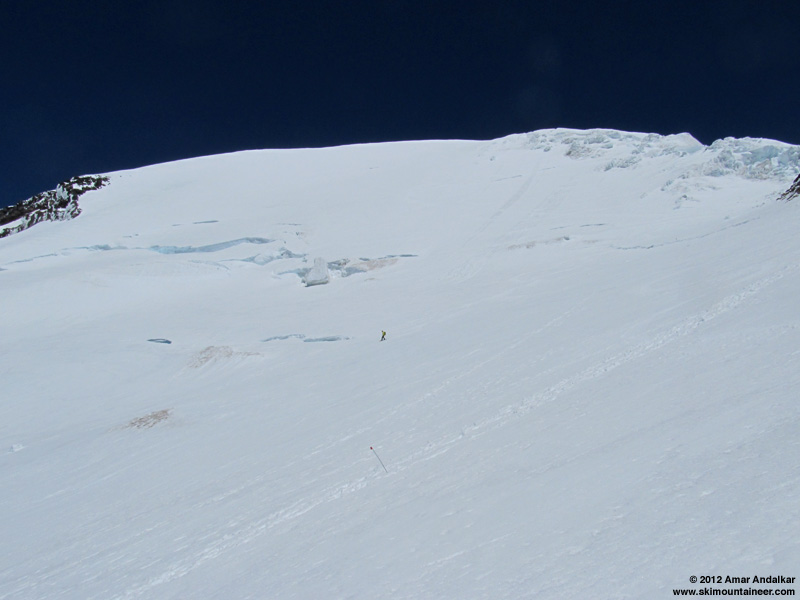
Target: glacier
point(588, 387)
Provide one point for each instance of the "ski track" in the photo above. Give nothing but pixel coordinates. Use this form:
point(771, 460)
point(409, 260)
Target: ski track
point(687, 239)
point(472, 266)
point(239, 535)
point(598, 370)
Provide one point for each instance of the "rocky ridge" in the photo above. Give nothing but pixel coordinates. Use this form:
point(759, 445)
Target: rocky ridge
point(792, 192)
point(60, 204)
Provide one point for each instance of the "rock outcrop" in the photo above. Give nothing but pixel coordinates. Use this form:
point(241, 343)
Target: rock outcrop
point(60, 204)
point(792, 192)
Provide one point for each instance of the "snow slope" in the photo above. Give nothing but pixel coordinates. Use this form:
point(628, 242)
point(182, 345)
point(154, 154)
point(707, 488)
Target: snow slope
point(588, 388)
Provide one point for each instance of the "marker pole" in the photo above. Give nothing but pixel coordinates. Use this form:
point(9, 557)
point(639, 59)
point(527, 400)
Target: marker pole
point(379, 459)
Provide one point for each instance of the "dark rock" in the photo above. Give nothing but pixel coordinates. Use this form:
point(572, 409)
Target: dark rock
point(60, 204)
point(792, 192)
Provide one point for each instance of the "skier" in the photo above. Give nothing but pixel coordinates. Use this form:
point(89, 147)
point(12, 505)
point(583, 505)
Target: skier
point(383, 336)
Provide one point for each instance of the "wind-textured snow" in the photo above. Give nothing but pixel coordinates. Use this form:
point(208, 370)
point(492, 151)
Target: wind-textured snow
point(588, 388)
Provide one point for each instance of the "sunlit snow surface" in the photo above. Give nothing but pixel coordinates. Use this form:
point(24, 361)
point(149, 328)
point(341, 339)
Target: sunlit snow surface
point(589, 386)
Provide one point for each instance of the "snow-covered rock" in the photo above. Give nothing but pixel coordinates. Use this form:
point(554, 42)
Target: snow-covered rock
point(60, 204)
point(793, 191)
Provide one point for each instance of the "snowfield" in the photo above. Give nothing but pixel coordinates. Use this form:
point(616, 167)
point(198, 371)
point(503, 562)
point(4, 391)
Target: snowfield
point(589, 386)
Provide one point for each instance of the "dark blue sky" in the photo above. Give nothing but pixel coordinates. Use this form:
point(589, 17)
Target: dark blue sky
point(89, 87)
